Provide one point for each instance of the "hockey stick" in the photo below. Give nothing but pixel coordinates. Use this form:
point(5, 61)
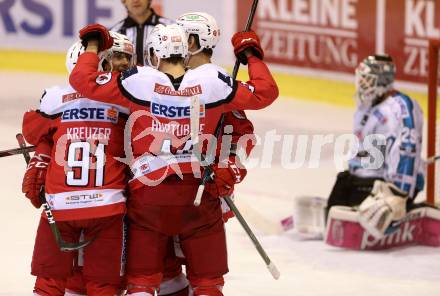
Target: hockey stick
point(15, 151)
point(432, 159)
point(64, 246)
point(208, 172)
point(269, 264)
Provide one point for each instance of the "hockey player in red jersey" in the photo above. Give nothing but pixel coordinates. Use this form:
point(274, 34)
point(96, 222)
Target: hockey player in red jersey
point(161, 202)
point(77, 141)
point(203, 33)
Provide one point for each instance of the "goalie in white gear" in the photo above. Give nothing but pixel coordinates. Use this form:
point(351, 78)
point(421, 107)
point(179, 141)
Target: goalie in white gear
point(389, 127)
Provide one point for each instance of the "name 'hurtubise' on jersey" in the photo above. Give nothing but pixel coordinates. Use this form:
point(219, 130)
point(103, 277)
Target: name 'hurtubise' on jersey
point(84, 179)
point(160, 108)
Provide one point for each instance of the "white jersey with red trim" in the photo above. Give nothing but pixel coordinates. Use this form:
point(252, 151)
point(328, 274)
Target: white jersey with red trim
point(84, 178)
point(166, 130)
point(159, 108)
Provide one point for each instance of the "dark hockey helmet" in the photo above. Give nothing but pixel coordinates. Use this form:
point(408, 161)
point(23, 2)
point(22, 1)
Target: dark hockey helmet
point(374, 77)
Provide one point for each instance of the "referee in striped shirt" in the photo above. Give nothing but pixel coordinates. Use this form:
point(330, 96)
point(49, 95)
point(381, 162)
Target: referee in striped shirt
point(138, 24)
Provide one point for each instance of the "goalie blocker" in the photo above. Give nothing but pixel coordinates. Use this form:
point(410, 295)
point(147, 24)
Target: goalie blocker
point(421, 226)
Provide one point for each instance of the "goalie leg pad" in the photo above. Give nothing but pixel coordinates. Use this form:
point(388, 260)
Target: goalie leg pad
point(385, 204)
point(420, 226)
point(308, 216)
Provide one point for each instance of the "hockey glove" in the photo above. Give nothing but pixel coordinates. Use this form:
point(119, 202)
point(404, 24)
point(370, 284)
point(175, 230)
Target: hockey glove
point(97, 32)
point(226, 174)
point(386, 203)
point(246, 40)
point(35, 177)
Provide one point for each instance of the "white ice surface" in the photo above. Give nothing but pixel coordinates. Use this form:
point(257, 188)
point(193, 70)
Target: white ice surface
point(307, 267)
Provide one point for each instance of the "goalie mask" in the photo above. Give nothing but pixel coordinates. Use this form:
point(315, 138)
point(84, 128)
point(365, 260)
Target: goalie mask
point(203, 25)
point(166, 42)
point(121, 45)
point(374, 77)
point(73, 54)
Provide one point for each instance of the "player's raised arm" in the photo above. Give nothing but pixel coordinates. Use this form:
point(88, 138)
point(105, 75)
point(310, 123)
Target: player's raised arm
point(261, 90)
point(85, 77)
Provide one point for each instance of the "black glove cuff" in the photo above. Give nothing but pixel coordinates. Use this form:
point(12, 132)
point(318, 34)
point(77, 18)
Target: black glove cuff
point(91, 36)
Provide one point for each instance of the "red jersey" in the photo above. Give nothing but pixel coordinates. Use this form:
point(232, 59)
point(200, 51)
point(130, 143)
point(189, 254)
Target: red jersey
point(84, 179)
point(160, 111)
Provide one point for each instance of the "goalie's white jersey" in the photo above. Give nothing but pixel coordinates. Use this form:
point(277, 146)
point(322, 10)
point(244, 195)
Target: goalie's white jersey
point(399, 121)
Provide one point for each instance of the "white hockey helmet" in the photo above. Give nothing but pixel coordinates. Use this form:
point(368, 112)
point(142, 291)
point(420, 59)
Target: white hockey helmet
point(73, 54)
point(202, 25)
point(374, 77)
point(121, 43)
point(166, 42)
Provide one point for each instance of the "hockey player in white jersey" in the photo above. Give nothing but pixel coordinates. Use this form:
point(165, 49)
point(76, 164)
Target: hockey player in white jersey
point(387, 171)
point(203, 36)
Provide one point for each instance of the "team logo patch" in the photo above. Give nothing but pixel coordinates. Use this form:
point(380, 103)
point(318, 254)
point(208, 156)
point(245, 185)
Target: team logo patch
point(145, 168)
point(104, 78)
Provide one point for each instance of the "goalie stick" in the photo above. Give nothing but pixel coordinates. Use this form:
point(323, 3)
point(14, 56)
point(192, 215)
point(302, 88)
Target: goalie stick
point(64, 246)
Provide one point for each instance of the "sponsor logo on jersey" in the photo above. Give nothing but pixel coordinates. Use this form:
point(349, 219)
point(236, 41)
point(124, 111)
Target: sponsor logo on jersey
point(176, 39)
point(403, 108)
point(84, 196)
point(101, 114)
point(71, 97)
point(382, 118)
point(112, 115)
point(104, 78)
point(176, 112)
point(186, 92)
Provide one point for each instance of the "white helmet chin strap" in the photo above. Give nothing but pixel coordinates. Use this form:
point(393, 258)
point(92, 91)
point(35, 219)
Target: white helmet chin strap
point(151, 64)
point(188, 56)
point(195, 52)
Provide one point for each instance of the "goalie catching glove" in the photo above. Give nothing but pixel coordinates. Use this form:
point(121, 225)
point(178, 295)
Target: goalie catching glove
point(386, 203)
point(227, 173)
point(35, 177)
